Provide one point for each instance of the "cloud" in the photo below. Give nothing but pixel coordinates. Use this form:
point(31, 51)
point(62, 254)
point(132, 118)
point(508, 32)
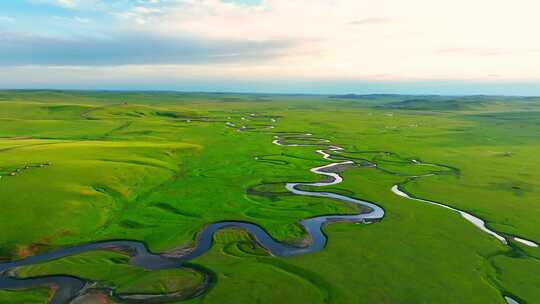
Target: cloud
point(372, 20)
point(133, 48)
point(139, 14)
point(478, 51)
point(340, 39)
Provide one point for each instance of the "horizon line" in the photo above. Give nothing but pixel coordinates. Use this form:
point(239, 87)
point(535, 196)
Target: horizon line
point(232, 92)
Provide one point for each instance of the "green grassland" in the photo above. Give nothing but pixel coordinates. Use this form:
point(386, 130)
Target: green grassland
point(78, 167)
point(112, 270)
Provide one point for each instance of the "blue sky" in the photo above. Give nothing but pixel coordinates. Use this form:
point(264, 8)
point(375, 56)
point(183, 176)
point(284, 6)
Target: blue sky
point(297, 46)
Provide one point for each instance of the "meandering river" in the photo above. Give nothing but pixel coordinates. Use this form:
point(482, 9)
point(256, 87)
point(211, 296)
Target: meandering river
point(69, 288)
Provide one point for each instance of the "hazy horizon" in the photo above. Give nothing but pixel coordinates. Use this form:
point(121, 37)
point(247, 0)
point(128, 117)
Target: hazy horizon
point(531, 90)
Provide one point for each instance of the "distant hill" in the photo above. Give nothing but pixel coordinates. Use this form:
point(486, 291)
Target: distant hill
point(436, 102)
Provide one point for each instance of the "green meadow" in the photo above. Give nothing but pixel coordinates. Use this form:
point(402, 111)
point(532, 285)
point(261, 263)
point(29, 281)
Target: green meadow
point(156, 167)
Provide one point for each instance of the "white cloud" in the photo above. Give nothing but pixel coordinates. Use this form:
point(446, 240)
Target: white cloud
point(139, 14)
point(417, 39)
point(348, 39)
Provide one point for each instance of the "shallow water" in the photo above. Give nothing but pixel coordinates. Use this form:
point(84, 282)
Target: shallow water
point(469, 217)
point(510, 300)
point(526, 242)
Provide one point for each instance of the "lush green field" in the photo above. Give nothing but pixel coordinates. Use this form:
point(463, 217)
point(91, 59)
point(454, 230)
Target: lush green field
point(78, 167)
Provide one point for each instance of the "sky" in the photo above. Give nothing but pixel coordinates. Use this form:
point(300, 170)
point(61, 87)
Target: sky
point(274, 46)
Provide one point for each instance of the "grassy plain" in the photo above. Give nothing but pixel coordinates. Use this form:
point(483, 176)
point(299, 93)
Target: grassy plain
point(157, 167)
